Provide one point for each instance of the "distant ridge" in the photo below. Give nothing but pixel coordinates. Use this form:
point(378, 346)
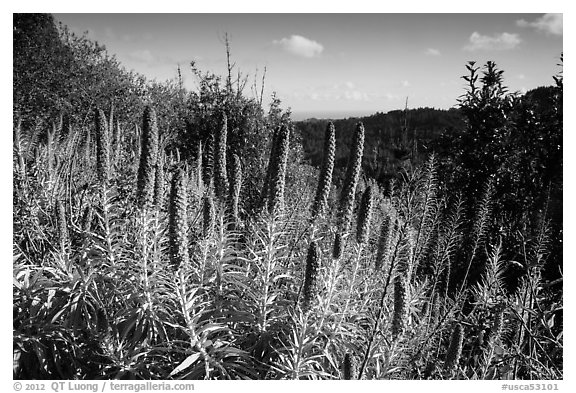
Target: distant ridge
point(391, 138)
point(329, 115)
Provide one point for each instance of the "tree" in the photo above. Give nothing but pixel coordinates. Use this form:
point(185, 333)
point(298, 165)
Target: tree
point(40, 67)
point(514, 142)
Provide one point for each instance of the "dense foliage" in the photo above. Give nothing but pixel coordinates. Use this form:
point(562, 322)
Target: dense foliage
point(161, 233)
point(513, 143)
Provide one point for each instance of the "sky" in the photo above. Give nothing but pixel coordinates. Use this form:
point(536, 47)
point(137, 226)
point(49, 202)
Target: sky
point(336, 64)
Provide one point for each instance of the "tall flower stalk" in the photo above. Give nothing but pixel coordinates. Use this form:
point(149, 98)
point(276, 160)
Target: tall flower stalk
point(20, 163)
point(148, 158)
point(273, 154)
point(102, 148)
point(208, 161)
point(346, 205)
point(234, 191)
point(455, 348)
point(383, 244)
point(338, 246)
point(400, 315)
point(199, 167)
point(220, 175)
point(177, 220)
point(87, 218)
point(209, 216)
point(349, 367)
point(278, 171)
point(364, 217)
point(325, 179)
point(311, 276)
point(159, 183)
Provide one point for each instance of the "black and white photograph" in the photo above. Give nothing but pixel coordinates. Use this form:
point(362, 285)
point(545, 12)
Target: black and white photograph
point(287, 196)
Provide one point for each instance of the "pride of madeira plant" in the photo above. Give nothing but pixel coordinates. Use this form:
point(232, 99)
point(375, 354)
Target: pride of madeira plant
point(187, 258)
point(148, 158)
point(348, 193)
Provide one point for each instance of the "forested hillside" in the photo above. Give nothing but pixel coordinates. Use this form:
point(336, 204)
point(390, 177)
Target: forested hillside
point(396, 139)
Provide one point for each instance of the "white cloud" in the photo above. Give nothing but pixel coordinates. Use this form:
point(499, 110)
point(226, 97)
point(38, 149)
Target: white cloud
point(548, 23)
point(405, 84)
point(432, 52)
point(504, 41)
point(300, 46)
